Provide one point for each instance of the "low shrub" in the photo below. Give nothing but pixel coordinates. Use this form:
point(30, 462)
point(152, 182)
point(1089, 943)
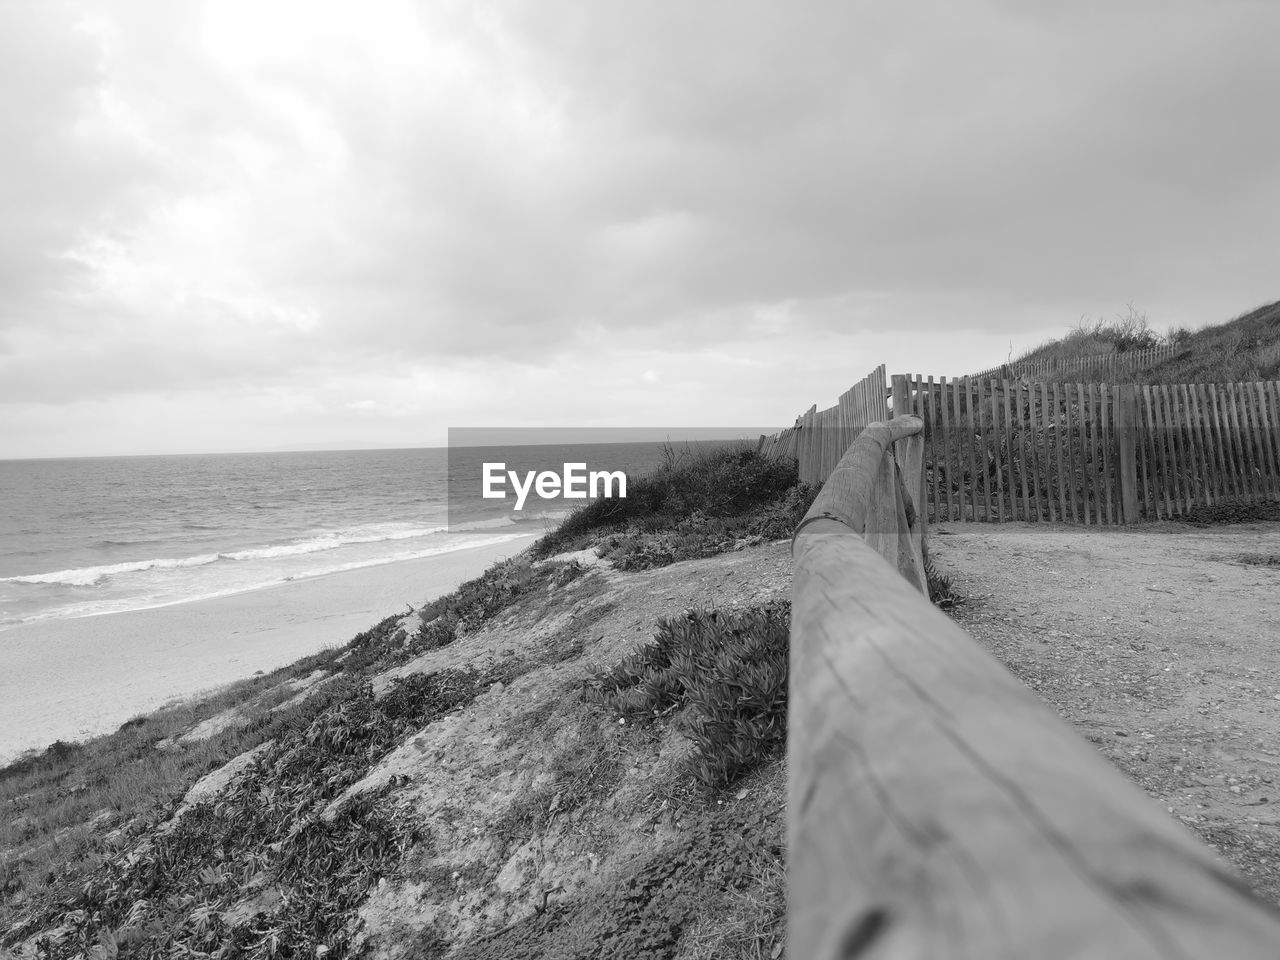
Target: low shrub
point(698, 504)
point(724, 677)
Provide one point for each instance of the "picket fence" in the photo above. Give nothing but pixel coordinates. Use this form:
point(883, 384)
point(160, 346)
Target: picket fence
point(1087, 453)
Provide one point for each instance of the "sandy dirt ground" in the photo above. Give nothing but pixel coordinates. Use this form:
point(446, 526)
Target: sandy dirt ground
point(70, 679)
point(1160, 644)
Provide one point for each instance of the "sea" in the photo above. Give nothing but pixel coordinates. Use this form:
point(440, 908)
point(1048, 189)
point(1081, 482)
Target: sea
point(88, 536)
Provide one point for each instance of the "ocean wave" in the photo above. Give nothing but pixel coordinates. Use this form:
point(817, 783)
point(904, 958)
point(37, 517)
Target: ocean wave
point(331, 540)
point(131, 604)
point(88, 576)
point(411, 555)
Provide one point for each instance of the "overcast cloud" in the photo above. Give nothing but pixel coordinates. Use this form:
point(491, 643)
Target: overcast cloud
point(260, 224)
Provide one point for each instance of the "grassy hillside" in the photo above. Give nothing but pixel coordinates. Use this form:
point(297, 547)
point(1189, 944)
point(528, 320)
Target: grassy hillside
point(1246, 348)
point(246, 825)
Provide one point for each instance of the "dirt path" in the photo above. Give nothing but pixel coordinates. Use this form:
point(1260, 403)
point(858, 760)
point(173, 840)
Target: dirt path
point(1161, 645)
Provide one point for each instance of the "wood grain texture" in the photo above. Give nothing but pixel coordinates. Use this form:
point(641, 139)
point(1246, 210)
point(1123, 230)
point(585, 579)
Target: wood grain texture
point(937, 809)
point(1198, 465)
point(994, 468)
point(1105, 414)
point(1252, 428)
point(1271, 397)
point(964, 441)
point(1240, 420)
point(856, 489)
point(978, 448)
point(1270, 441)
point(1027, 471)
point(1159, 474)
point(934, 455)
point(950, 487)
point(1126, 435)
point(1232, 432)
point(1008, 447)
point(1066, 502)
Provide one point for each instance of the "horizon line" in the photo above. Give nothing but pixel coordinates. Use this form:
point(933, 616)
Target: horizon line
point(373, 449)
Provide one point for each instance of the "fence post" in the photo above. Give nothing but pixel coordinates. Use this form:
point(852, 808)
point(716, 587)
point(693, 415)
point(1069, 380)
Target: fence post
point(1126, 411)
point(909, 454)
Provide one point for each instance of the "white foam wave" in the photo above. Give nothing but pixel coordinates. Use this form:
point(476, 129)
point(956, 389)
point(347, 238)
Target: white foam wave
point(88, 576)
point(126, 605)
point(330, 541)
point(412, 555)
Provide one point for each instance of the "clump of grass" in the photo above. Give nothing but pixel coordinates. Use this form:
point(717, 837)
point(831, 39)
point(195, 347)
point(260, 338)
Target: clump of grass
point(942, 591)
point(481, 599)
point(699, 503)
point(747, 921)
point(259, 871)
point(568, 572)
point(723, 675)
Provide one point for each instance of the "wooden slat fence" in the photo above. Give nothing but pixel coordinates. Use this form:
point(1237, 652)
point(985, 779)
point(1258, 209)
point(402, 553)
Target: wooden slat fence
point(1083, 453)
point(820, 437)
point(999, 450)
point(1009, 450)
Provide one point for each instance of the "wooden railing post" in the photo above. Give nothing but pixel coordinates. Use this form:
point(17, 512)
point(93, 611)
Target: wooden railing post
point(1126, 429)
point(865, 494)
point(937, 808)
point(909, 454)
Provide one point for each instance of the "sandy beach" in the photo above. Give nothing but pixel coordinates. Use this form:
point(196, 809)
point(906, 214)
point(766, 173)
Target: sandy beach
point(71, 679)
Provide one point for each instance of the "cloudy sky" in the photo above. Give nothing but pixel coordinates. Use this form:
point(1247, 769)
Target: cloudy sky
point(271, 224)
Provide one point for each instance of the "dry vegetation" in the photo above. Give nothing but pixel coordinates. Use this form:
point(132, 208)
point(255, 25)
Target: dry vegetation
point(1244, 349)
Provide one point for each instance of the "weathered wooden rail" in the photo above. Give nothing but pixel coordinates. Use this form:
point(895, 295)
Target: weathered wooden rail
point(937, 808)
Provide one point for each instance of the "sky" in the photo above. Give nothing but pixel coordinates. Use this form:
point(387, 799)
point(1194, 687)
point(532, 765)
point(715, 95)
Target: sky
point(283, 224)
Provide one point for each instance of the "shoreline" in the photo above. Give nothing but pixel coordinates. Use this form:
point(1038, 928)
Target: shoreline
point(82, 677)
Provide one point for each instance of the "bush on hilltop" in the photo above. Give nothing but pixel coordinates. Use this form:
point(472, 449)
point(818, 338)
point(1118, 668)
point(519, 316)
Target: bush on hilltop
point(699, 503)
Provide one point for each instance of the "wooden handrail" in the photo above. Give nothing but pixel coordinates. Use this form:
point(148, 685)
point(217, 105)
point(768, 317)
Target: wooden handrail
point(936, 807)
point(867, 495)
